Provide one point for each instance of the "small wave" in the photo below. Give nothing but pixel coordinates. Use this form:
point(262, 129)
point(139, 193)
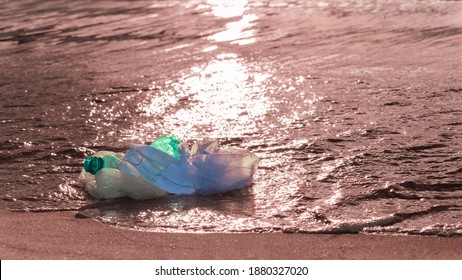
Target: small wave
point(425, 147)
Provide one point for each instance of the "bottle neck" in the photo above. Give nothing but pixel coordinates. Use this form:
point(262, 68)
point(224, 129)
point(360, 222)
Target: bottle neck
point(93, 164)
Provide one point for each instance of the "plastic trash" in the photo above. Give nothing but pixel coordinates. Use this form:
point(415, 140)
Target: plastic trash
point(168, 144)
point(168, 166)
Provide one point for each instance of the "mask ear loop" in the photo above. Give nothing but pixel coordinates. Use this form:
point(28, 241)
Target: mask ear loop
point(141, 156)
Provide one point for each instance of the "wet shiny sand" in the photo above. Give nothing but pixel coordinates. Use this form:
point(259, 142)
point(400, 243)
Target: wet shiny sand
point(59, 235)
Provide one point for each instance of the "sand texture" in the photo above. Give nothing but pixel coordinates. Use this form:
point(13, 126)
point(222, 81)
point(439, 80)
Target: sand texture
point(59, 235)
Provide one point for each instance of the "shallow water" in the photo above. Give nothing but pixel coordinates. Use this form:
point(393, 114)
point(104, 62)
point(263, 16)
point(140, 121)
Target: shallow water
point(354, 108)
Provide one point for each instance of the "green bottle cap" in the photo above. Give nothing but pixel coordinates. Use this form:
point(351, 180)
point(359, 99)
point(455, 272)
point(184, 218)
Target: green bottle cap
point(93, 164)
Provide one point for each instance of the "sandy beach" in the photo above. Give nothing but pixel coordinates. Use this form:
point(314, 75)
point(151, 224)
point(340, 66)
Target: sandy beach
point(59, 235)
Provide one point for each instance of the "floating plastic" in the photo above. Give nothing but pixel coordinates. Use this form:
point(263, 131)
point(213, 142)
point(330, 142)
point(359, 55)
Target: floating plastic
point(168, 167)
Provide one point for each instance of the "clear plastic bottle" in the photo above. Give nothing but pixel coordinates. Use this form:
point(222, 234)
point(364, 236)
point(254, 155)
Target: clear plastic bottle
point(94, 164)
point(102, 179)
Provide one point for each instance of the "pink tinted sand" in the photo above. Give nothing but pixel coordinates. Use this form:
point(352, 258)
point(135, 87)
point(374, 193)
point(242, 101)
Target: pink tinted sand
point(59, 235)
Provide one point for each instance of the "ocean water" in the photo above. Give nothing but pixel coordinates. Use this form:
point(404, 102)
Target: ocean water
point(354, 107)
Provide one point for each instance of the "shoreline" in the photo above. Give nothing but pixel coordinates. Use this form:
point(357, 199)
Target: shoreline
point(59, 235)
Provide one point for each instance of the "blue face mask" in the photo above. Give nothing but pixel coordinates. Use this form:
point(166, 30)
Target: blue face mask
point(159, 168)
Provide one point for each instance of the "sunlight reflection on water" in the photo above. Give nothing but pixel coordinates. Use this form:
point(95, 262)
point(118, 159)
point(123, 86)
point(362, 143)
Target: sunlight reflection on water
point(225, 97)
point(227, 9)
point(237, 32)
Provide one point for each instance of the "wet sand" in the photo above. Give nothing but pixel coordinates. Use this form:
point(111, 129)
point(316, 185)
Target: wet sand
point(59, 235)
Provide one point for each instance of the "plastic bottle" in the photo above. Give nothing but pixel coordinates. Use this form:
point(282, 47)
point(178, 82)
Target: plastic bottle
point(101, 178)
point(167, 144)
point(111, 175)
point(94, 164)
